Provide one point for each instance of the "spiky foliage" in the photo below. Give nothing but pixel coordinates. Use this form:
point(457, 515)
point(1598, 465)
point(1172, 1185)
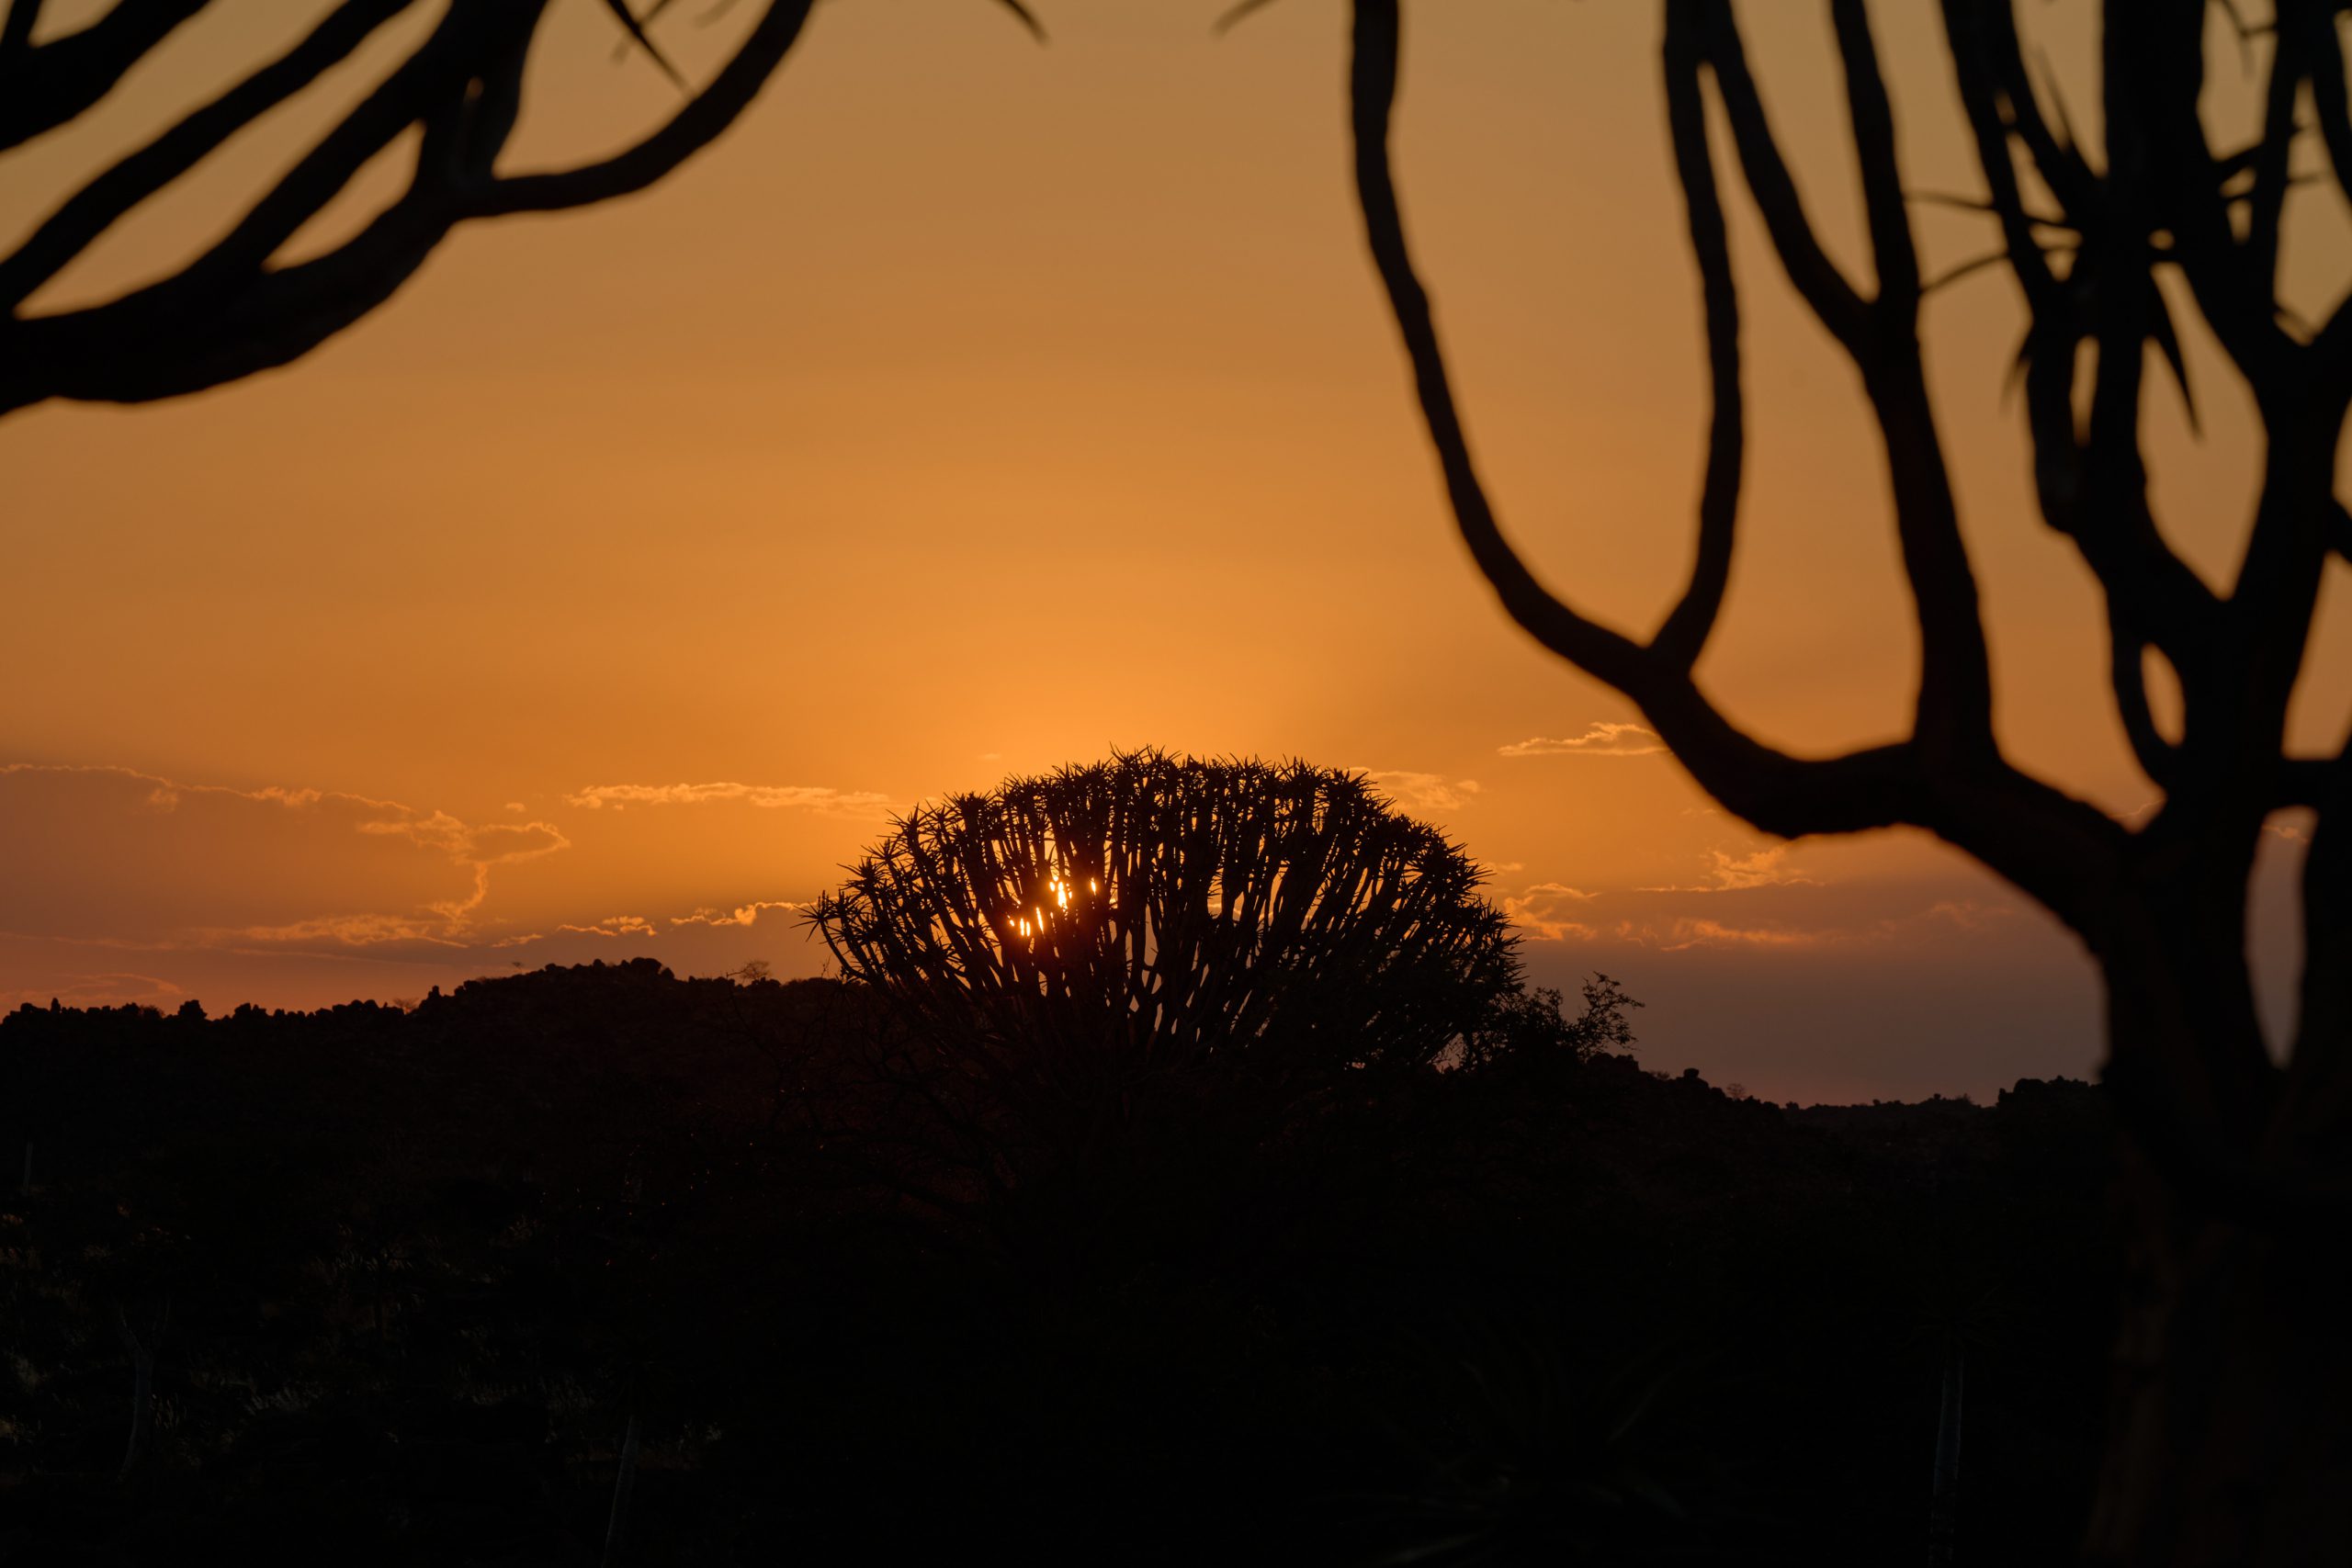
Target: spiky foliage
point(1181, 908)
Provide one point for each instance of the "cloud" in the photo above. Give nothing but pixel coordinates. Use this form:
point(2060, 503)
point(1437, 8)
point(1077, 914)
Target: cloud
point(768, 797)
point(1968, 914)
point(1691, 932)
point(1537, 912)
point(1603, 740)
point(1677, 932)
point(1428, 792)
point(1728, 872)
point(350, 930)
point(617, 925)
point(744, 915)
point(108, 854)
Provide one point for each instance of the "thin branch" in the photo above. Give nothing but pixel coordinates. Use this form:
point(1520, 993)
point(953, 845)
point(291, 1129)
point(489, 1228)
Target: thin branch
point(1686, 630)
point(16, 30)
point(1373, 77)
point(1876, 787)
point(2315, 28)
point(2147, 583)
point(1893, 251)
point(2059, 850)
point(1833, 300)
point(1977, 264)
point(1978, 204)
point(229, 312)
point(440, 69)
point(1954, 710)
point(2153, 64)
point(97, 206)
point(693, 128)
point(2270, 157)
point(43, 85)
point(2059, 162)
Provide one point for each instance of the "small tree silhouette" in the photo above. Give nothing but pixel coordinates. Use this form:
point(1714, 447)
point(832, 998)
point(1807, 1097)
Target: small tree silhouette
point(1179, 909)
point(2228, 1444)
point(228, 312)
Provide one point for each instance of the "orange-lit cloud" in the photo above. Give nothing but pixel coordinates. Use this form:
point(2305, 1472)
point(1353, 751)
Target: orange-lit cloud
point(1700, 932)
point(743, 914)
point(1728, 872)
point(346, 931)
point(617, 925)
point(115, 855)
point(1776, 923)
point(769, 798)
point(1603, 740)
point(1423, 792)
point(1537, 912)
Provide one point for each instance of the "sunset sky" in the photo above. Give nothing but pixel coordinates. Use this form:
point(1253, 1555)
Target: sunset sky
point(975, 407)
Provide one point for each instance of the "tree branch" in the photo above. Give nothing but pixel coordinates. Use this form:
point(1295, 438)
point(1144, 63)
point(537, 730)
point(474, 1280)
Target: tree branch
point(16, 30)
point(1833, 300)
point(693, 127)
point(2267, 203)
point(97, 206)
point(2060, 164)
point(43, 85)
point(2153, 60)
point(2103, 508)
point(1687, 628)
point(1871, 117)
point(1954, 709)
point(1871, 788)
point(440, 71)
point(2062, 851)
point(228, 312)
point(2314, 30)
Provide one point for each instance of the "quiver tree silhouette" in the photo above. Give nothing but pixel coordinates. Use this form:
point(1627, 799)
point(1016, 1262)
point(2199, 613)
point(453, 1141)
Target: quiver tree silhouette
point(228, 312)
point(2233, 1368)
point(1175, 911)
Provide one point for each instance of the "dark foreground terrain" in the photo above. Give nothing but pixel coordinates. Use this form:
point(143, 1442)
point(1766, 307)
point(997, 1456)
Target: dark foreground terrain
point(403, 1284)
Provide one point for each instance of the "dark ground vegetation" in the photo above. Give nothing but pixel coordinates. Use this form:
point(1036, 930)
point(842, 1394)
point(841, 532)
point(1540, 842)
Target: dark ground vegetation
point(406, 1280)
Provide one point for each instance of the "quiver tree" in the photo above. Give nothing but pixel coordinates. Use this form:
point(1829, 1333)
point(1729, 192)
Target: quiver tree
point(229, 311)
point(1165, 911)
point(2228, 1440)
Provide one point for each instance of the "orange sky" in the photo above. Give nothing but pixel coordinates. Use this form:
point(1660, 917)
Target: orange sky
point(975, 407)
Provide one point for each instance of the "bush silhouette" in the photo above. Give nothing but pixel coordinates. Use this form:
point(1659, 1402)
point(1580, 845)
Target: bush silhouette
point(1181, 909)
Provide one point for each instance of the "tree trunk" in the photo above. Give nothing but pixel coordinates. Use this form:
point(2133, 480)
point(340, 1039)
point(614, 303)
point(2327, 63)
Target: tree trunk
point(2230, 1414)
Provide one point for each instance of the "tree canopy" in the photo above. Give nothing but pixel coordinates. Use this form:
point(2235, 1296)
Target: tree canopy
point(1181, 907)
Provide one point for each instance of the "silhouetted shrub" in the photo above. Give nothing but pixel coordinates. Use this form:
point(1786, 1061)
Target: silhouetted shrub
point(1181, 908)
point(1527, 1028)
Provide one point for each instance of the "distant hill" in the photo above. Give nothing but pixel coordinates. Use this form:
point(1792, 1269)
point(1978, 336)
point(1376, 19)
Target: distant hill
point(408, 1276)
